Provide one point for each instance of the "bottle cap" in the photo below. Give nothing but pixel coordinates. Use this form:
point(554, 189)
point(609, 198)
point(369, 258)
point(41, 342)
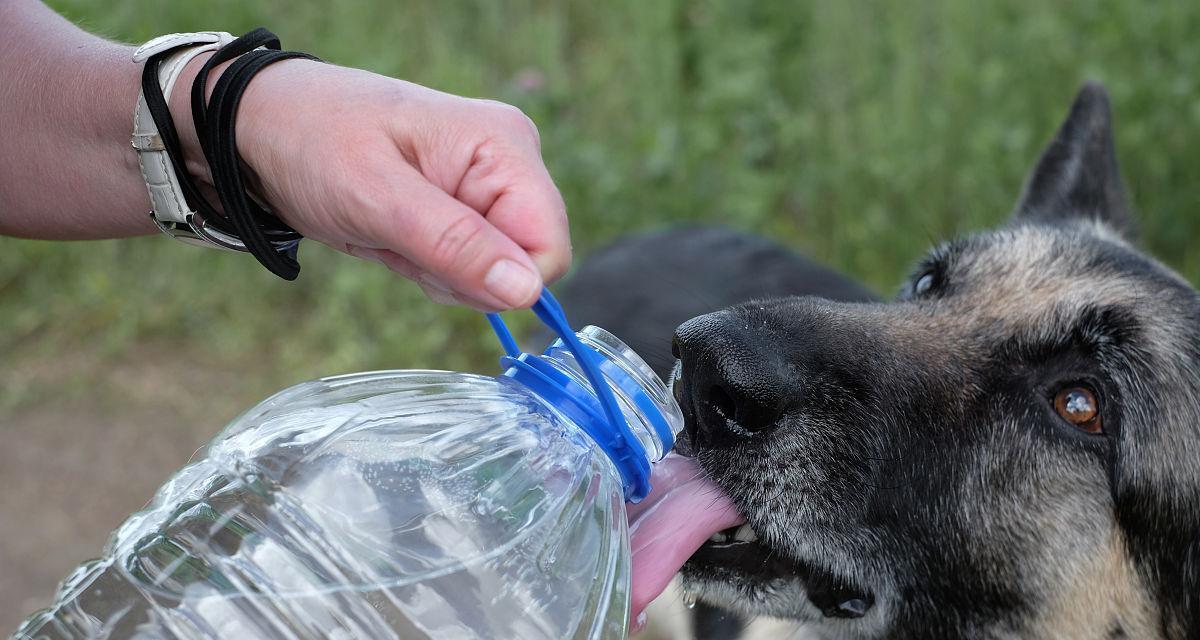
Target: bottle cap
point(595, 409)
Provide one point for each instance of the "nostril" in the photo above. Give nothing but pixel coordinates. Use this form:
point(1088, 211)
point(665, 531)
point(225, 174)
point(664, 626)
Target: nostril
point(722, 403)
point(748, 410)
point(675, 347)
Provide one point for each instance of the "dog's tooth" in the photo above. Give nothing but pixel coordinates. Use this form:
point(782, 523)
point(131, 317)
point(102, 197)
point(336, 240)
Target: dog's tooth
point(745, 534)
point(718, 537)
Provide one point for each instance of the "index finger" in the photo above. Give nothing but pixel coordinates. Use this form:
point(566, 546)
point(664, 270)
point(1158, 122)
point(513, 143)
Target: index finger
point(512, 188)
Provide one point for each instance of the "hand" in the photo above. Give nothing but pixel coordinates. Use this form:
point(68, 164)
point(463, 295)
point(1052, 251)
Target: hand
point(450, 192)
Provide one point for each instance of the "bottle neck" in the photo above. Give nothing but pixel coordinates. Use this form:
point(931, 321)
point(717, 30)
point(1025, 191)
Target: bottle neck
point(651, 416)
point(648, 406)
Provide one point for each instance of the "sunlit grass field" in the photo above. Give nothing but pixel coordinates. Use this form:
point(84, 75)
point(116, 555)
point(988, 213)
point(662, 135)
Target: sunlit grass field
point(857, 132)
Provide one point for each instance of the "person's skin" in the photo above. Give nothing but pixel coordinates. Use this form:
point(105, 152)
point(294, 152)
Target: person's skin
point(449, 191)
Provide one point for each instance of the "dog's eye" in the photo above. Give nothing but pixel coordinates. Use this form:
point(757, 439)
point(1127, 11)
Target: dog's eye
point(923, 284)
point(1080, 407)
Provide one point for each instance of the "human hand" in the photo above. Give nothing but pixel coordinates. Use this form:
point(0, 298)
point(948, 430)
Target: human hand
point(450, 192)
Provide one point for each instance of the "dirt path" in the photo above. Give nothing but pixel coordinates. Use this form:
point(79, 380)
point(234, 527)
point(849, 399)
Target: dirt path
point(70, 475)
point(86, 447)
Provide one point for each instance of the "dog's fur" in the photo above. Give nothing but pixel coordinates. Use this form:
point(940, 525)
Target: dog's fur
point(902, 463)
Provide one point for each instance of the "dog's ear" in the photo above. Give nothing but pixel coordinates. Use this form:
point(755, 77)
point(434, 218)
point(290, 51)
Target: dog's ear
point(1077, 175)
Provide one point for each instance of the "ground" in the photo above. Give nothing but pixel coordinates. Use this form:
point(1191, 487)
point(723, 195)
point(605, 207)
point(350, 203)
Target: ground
point(73, 469)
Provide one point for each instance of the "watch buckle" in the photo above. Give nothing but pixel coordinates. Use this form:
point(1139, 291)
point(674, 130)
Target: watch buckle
point(195, 230)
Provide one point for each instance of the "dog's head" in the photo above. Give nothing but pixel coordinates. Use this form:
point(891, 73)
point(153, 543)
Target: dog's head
point(1012, 447)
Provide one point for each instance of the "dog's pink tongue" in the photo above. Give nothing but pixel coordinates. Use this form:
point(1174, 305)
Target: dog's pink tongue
point(683, 510)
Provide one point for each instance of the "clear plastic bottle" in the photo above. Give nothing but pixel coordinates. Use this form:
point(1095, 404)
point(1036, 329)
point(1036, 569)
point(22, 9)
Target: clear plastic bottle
point(401, 504)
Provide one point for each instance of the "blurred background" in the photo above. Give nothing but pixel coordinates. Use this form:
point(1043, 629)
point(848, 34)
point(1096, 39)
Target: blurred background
point(857, 132)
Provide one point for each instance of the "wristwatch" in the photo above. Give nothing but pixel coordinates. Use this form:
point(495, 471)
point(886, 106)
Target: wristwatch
point(171, 211)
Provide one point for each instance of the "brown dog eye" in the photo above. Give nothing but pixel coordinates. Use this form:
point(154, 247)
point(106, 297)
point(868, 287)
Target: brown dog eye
point(1079, 406)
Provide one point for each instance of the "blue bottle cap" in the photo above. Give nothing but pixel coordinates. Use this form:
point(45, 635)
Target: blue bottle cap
point(596, 410)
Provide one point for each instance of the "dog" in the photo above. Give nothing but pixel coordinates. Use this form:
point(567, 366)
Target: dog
point(1009, 449)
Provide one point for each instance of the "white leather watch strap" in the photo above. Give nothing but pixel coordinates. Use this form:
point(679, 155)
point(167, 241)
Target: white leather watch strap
point(170, 208)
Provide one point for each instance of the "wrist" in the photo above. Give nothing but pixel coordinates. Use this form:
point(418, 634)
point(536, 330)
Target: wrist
point(171, 144)
point(253, 115)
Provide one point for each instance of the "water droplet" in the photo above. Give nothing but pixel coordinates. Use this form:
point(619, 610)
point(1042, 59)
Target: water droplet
point(689, 599)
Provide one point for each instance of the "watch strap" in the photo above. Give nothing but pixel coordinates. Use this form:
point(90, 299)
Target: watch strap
point(170, 208)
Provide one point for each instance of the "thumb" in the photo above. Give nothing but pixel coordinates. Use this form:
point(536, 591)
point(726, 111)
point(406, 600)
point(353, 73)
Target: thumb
point(459, 246)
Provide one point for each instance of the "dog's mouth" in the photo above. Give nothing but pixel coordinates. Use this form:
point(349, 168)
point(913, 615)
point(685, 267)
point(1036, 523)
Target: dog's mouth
point(688, 523)
point(688, 520)
point(736, 556)
point(683, 513)
point(732, 537)
point(737, 549)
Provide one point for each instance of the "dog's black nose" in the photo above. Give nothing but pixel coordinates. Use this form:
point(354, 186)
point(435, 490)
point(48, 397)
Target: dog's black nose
point(734, 383)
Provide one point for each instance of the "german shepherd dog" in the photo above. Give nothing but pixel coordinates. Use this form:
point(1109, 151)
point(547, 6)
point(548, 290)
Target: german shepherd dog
point(1009, 449)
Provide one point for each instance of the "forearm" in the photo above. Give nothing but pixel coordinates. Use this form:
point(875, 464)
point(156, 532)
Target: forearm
point(67, 170)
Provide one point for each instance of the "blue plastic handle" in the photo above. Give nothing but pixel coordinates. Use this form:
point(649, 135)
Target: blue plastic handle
point(609, 428)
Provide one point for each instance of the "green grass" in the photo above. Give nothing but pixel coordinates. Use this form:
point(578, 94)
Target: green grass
point(857, 132)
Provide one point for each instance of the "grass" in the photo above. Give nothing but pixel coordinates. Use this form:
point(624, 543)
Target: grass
point(858, 132)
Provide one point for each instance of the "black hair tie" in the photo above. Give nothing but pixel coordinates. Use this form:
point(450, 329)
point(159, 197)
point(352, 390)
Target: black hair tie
point(271, 241)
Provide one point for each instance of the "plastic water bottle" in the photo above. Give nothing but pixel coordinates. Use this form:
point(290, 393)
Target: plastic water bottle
point(398, 504)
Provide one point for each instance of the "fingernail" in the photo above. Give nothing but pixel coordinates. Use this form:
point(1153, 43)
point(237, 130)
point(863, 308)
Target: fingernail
point(511, 282)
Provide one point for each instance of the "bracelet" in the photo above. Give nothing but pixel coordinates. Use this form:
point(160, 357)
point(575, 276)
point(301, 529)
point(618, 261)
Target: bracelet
point(180, 209)
point(159, 156)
